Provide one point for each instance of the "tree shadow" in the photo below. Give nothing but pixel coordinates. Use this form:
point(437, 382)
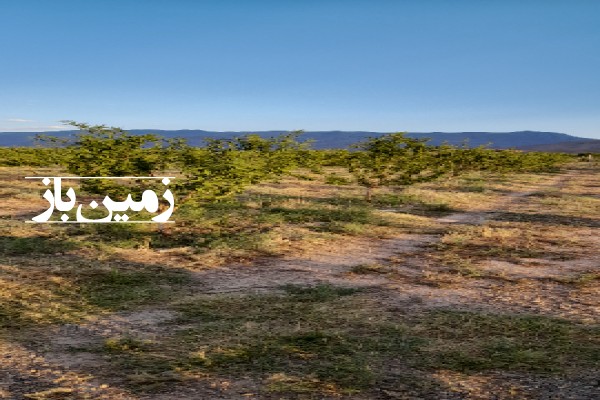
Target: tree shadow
point(550, 219)
point(35, 245)
point(43, 288)
point(40, 284)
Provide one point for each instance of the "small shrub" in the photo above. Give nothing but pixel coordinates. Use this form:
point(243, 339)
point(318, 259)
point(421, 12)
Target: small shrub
point(333, 179)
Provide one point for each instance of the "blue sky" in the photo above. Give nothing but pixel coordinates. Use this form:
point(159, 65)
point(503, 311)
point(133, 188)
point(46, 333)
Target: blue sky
point(421, 65)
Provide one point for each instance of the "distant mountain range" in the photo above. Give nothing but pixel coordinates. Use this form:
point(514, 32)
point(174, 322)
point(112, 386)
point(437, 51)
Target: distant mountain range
point(575, 147)
point(526, 140)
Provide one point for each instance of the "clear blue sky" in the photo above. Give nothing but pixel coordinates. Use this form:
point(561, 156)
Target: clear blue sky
point(421, 65)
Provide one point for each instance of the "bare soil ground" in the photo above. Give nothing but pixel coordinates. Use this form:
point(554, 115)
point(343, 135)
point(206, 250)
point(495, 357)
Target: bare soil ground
point(498, 299)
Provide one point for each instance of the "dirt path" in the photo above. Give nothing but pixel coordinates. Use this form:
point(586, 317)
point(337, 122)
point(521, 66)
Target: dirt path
point(334, 266)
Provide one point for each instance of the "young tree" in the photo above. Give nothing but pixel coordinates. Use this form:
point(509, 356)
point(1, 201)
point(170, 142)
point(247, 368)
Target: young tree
point(227, 166)
point(392, 159)
point(98, 150)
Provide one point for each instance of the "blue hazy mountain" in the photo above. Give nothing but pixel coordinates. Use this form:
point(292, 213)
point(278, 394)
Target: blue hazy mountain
point(342, 139)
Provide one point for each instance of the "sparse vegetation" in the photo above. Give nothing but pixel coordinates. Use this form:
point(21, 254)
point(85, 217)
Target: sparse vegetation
point(285, 282)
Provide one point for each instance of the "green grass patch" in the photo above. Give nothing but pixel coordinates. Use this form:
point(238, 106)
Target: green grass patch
point(316, 339)
point(17, 246)
point(122, 289)
point(328, 340)
point(470, 342)
point(333, 179)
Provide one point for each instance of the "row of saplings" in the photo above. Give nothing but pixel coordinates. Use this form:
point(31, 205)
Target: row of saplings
point(224, 167)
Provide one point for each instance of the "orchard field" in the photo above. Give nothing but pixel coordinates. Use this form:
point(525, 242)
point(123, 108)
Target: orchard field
point(395, 270)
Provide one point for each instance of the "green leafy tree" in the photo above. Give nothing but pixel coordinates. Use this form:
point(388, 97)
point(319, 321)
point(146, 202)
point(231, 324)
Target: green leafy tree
point(227, 166)
point(222, 168)
point(392, 159)
point(31, 156)
point(98, 150)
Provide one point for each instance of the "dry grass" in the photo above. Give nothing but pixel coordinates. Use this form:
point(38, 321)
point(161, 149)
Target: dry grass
point(515, 295)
